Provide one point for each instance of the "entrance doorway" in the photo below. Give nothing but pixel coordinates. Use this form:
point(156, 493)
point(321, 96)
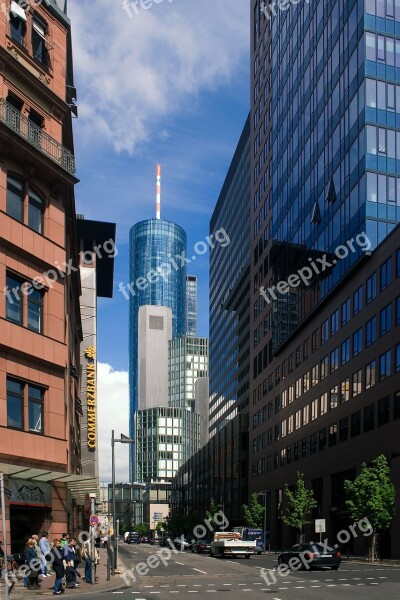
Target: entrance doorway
point(25, 522)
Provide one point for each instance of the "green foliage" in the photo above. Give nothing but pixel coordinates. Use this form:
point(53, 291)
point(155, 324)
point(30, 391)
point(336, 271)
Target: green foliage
point(160, 527)
point(371, 495)
point(141, 529)
point(253, 514)
point(214, 508)
point(300, 505)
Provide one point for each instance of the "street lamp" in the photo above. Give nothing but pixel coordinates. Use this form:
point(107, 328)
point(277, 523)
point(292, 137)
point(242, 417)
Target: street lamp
point(123, 440)
point(265, 518)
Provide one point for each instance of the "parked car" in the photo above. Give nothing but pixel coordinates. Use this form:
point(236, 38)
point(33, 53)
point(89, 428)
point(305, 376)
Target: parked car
point(145, 540)
point(133, 538)
point(181, 543)
point(154, 541)
point(314, 555)
point(201, 546)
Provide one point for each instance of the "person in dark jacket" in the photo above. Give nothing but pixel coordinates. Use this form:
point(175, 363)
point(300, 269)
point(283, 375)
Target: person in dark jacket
point(32, 560)
point(70, 558)
point(55, 557)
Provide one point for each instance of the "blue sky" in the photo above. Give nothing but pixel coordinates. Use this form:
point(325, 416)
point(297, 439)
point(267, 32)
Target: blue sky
point(170, 85)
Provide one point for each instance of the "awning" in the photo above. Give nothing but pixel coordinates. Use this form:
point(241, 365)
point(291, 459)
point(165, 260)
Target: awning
point(17, 11)
point(78, 485)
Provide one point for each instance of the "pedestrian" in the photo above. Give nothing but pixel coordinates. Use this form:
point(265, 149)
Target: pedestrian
point(86, 554)
point(32, 560)
point(70, 557)
point(26, 578)
point(56, 559)
point(105, 540)
point(64, 540)
point(44, 550)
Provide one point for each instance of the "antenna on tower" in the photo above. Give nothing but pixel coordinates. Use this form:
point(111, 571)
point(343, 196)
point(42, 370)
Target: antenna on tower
point(158, 192)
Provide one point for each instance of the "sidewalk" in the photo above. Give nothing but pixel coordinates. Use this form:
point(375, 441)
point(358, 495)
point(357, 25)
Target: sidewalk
point(102, 585)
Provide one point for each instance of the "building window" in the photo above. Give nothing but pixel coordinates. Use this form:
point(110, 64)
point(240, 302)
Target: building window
point(345, 348)
point(306, 382)
point(15, 404)
point(369, 418)
point(345, 391)
point(385, 319)
point(296, 451)
point(357, 342)
point(357, 383)
point(304, 447)
point(355, 426)
point(334, 359)
point(332, 435)
point(15, 198)
point(398, 263)
point(14, 300)
point(397, 359)
point(324, 370)
point(334, 397)
point(384, 411)
point(324, 404)
point(343, 430)
point(370, 374)
point(322, 439)
point(314, 341)
point(298, 388)
point(357, 300)
point(314, 375)
point(324, 331)
point(370, 332)
point(35, 408)
point(335, 322)
point(386, 274)
point(396, 406)
point(306, 414)
point(17, 23)
point(346, 311)
point(39, 43)
point(371, 288)
point(314, 409)
point(19, 293)
point(313, 443)
point(384, 365)
point(398, 310)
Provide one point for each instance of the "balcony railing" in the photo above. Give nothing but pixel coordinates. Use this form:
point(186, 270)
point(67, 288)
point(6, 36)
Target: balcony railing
point(38, 138)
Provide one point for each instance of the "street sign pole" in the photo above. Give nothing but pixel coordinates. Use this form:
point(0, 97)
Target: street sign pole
point(3, 518)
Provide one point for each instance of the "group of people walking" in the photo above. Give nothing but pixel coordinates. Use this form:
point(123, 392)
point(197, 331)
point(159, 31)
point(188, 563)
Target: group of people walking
point(63, 555)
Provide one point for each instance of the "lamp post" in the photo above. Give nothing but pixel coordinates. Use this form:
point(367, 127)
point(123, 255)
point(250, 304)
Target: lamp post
point(122, 440)
point(264, 493)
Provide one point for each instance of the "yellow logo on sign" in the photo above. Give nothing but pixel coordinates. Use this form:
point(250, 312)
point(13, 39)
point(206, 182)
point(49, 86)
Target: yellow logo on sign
point(90, 352)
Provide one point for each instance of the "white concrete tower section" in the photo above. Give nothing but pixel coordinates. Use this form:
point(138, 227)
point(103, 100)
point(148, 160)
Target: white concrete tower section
point(154, 333)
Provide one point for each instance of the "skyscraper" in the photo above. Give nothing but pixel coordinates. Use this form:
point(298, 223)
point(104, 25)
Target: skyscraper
point(157, 277)
point(191, 305)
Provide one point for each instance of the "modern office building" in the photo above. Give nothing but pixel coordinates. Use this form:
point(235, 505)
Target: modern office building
point(229, 292)
point(96, 243)
point(157, 277)
point(165, 439)
point(323, 173)
point(191, 305)
point(40, 330)
point(187, 362)
point(155, 332)
point(220, 469)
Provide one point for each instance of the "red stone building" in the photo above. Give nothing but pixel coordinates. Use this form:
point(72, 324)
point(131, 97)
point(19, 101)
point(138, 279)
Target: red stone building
point(40, 324)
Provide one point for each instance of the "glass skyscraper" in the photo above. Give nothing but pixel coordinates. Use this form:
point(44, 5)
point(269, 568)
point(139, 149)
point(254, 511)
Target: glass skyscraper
point(325, 142)
point(157, 277)
point(191, 305)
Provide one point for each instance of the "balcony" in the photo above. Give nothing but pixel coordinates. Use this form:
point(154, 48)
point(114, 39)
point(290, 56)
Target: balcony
point(38, 138)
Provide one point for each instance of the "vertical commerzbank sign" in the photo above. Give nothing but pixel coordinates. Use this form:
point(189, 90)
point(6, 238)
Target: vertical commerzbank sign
point(90, 354)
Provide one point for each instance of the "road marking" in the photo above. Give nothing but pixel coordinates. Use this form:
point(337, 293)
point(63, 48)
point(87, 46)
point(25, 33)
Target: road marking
point(314, 586)
point(193, 591)
point(382, 577)
point(181, 585)
point(283, 588)
point(299, 587)
point(179, 563)
point(198, 570)
point(211, 590)
point(149, 586)
point(227, 584)
point(246, 590)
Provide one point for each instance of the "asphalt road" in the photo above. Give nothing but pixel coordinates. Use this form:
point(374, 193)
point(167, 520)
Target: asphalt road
point(185, 574)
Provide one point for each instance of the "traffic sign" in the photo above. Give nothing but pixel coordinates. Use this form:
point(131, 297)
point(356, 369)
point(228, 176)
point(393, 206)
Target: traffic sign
point(94, 520)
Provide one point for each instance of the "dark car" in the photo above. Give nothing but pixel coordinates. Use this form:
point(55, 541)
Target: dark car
point(181, 543)
point(201, 546)
point(311, 556)
point(133, 538)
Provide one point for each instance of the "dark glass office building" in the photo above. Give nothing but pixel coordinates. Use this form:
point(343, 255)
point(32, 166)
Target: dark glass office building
point(191, 305)
point(229, 292)
point(157, 277)
point(325, 166)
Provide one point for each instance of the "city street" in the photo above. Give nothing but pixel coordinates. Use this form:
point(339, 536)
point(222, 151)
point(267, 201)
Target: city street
point(188, 573)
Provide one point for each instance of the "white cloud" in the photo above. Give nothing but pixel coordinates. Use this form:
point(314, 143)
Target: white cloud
point(113, 413)
point(134, 72)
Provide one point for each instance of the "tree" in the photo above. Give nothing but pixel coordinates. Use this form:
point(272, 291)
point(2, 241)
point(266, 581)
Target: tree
point(210, 514)
point(141, 529)
point(371, 496)
point(253, 514)
point(300, 505)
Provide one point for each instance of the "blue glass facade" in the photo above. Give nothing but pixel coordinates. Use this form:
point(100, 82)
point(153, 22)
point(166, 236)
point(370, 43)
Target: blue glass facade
point(191, 305)
point(157, 277)
point(326, 141)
